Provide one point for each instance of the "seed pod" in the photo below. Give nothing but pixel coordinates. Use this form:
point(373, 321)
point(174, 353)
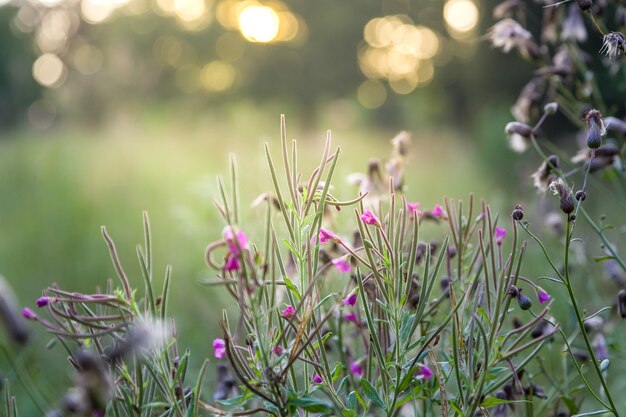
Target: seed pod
point(525, 303)
point(584, 5)
point(518, 213)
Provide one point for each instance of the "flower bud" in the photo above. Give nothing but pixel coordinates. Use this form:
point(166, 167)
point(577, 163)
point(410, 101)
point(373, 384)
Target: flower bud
point(518, 213)
point(525, 303)
point(551, 108)
point(517, 128)
point(584, 5)
point(595, 128)
point(580, 195)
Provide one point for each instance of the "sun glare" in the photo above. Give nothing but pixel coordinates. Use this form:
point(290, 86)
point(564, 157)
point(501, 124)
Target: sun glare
point(259, 23)
point(461, 15)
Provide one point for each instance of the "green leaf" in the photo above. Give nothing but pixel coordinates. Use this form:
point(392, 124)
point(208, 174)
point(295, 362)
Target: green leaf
point(292, 288)
point(309, 403)
point(603, 258)
point(372, 394)
point(571, 405)
point(493, 401)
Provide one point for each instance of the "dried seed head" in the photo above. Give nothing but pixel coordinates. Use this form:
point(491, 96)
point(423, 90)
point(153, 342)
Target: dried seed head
point(519, 136)
point(545, 174)
point(558, 187)
point(514, 291)
point(613, 45)
point(518, 213)
point(621, 303)
point(508, 34)
point(595, 128)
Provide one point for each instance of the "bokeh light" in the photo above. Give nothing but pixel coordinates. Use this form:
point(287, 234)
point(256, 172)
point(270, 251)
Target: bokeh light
point(217, 76)
point(49, 70)
point(259, 23)
point(371, 94)
point(398, 51)
point(461, 16)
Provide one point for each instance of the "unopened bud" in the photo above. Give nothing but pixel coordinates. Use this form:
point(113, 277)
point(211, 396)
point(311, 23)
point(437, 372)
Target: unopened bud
point(584, 5)
point(595, 128)
point(581, 195)
point(525, 303)
point(518, 213)
point(551, 108)
point(519, 129)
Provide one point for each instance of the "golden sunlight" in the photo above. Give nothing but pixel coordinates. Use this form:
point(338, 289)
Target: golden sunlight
point(461, 15)
point(259, 23)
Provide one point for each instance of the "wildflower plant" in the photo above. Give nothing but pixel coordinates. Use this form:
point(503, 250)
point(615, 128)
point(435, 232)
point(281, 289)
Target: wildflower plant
point(381, 316)
point(576, 77)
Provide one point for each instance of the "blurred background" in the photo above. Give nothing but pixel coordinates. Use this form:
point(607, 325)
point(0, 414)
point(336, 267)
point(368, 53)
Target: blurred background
point(112, 107)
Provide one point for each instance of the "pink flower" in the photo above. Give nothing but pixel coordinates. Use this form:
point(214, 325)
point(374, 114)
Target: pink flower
point(43, 301)
point(413, 209)
point(236, 241)
point(219, 348)
point(437, 211)
point(351, 316)
point(370, 218)
point(232, 263)
point(423, 372)
point(499, 233)
point(324, 236)
point(356, 369)
point(288, 312)
point(317, 379)
point(278, 350)
point(29, 314)
point(350, 300)
point(342, 264)
point(543, 296)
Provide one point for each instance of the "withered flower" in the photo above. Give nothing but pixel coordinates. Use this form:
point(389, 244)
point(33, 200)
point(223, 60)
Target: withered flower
point(545, 174)
point(508, 34)
point(558, 187)
point(613, 45)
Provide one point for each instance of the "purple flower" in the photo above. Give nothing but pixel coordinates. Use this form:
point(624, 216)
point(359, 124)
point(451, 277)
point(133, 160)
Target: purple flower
point(423, 372)
point(356, 369)
point(350, 300)
point(219, 348)
point(43, 301)
point(437, 211)
point(370, 218)
point(317, 379)
point(278, 350)
point(351, 316)
point(232, 263)
point(543, 296)
point(29, 314)
point(324, 236)
point(288, 312)
point(499, 233)
point(342, 264)
point(236, 241)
